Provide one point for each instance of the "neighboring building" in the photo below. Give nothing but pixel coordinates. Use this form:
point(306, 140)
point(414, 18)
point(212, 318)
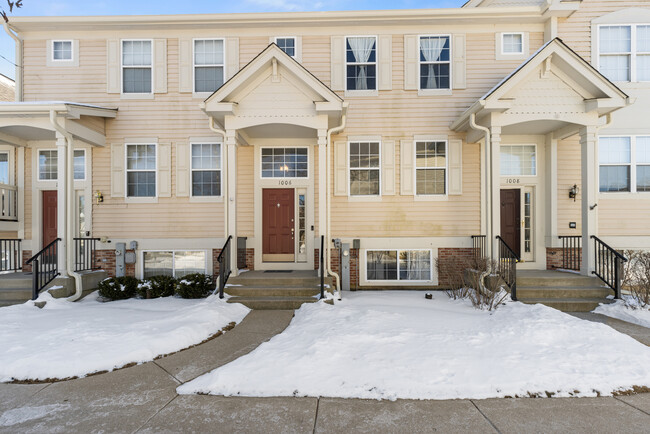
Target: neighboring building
point(436, 125)
point(7, 88)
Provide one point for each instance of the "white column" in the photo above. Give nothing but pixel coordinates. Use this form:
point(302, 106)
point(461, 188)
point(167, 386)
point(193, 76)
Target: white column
point(61, 218)
point(550, 202)
point(231, 196)
point(495, 197)
point(322, 183)
point(589, 189)
point(20, 184)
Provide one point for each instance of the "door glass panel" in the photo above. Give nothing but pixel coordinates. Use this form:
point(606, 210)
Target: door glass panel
point(527, 222)
point(302, 247)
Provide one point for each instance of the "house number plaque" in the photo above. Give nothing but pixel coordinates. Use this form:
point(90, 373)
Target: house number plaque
point(513, 181)
point(284, 182)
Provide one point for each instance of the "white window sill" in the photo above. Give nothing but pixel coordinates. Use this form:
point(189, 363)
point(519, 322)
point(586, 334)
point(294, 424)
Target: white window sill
point(137, 95)
point(141, 200)
point(353, 93)
point(364, 198)
point(431, 198)
point(206, 199)
point(511, 56)
point(434, 92)
point(624, 195)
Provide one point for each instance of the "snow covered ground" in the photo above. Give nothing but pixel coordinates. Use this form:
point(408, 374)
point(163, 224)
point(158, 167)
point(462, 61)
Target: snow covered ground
point(619, 310)
point(391, 344)
point(75, 339)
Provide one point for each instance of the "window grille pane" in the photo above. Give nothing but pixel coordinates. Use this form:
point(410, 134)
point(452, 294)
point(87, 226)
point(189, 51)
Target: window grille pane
point(141, 184)
point(47, 165)
point(615, 68)
point(208, 52)
point(381, 265)
point(206, 183)
point(615, 39)
point(614, 150)
point(79, 164)
point(206, 156)
point(62, 50)
point(361, 49)
point(188, 262)
point(137, 80)
point(136, 53)
point(141, 157)
point(643, 68)
point(158, 263)
point(643, 39)
point(434, 76)
point(430, 155)
point(643, 178)
point(430, 181)
point(284, 163)
point(362, 77)
point(434, 49)
point(513, 43)
point(614, 178)
point(288, 45)
point(208, 78)
point(518, 160)
point(643, 150)
point(4, 168)
point(415, 265)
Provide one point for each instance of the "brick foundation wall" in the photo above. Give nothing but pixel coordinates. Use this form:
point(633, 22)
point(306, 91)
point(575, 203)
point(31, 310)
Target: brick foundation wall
point(105, 259)
point(26, 255)
point(336, 266)
point(450, 259)
point(555, 257)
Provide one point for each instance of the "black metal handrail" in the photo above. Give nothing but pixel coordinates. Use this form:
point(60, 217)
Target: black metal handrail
point(479, 243)
point(45, 267)
point(571, 252)
point(84, 254)
point(608, 265)
point(224, 265)
point(507, 263)
point(10, 255)
point(322, 267)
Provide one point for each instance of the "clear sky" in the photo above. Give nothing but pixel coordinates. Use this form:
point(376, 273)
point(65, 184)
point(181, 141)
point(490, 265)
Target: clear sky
point(139, 7)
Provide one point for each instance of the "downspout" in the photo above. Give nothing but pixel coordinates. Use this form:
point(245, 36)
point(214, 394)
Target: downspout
point(19, 62)
point(489, 196)
point(68, 180)
point(328, 253)
point(225, 174)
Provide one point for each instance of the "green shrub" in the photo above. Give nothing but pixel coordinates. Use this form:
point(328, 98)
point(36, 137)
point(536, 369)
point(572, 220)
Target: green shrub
point(195, 285)
point(157, 286)
point(118, 288)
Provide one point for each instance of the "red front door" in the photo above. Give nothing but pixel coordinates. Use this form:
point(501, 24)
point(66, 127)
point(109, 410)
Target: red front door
point(278, 225)
point(50, 230)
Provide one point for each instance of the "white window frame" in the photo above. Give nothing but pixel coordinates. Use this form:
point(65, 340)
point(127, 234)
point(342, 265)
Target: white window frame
point(71, 59)
point(520, 144)
point(220, 168)
point(194, 66)
point(441, 90)
point(360, 92)
point(38, 164)
point(633, 53)
point(361, 196)
point(85, 166)
point(127, 170)
point(415, 167)
point(122, 66)
point(285, 147)
point(295, 44)
point(633, 166)
point(398, 280)
point(208, 255)
point(502, 44)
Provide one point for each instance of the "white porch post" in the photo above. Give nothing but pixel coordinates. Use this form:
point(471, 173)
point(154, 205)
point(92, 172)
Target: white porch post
point(551, 229)
point(494, 228)
point(61, 218)
point(322, 182)
point(589, 195)
point(231, 196)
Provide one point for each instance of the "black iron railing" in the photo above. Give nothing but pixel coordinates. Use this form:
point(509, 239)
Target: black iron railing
point(84, 254)
point(10, 255)
point(479, 243)
point(608, 265)
point(224, 265)
point(507, 266)
point(571, 252)
point(45, 267)
point(322, 267)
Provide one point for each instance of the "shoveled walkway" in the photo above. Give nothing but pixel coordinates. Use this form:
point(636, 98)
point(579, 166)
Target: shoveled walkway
point(143, 399)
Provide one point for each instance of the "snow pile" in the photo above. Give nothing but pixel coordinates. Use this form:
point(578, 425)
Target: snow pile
point(628, 310)
point(396, 344)
point(66, 339)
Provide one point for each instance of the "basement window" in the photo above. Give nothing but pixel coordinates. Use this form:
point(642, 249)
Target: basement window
point(177, 263)
point(398, 265)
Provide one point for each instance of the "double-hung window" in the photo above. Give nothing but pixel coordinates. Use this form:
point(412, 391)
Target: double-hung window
point(624, 52)
point(398, 265)
point(141, 170)
point(435, 62)
point(287, 44)
point(61, 50)
point(206, 169)
point(47, 165)
point(624, 164)
point(136, 67)
point(512, 43)
point(431, 167)
point(364, 168)
point(208, 64)
point(361, 62)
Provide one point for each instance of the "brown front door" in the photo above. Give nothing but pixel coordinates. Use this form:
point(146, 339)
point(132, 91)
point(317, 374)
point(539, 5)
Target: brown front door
point(50, 232)
point(277, 225)
point(510, 216)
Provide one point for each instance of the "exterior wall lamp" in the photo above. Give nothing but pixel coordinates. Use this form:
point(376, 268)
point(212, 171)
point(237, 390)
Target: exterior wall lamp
point(573, 192)
point(99, 197)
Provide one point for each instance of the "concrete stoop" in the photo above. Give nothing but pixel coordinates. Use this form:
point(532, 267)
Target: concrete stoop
point(568, 292)
point(261, 290)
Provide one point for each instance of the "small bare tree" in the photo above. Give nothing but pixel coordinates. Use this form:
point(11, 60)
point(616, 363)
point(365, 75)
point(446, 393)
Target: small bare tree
point(17, 4)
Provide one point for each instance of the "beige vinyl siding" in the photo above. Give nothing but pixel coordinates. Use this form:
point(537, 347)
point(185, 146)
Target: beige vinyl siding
point(245, 191)
point(8, 235)
point(28, 193)
point(636, 212)
point(316, 56)
point(568, 174)
point(250, 47)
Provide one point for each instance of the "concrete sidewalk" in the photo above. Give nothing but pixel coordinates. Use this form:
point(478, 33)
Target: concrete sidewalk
point(143, 399)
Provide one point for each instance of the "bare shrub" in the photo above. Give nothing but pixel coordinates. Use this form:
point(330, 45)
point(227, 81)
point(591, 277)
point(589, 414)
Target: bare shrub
point(636, 278)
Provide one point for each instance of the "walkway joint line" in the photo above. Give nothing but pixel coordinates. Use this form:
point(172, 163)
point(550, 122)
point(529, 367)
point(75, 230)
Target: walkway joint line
point(633, 406)
point(486, 418)
point(155, 414)
point(316, 415)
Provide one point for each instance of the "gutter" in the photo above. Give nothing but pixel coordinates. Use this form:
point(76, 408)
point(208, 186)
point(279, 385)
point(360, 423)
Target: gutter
point(19, 61)
point(489, 195)
point(213, 128)
point(69, 205)
point(328, 206)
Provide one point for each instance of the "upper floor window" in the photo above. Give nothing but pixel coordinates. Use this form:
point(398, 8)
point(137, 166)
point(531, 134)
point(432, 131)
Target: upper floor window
point(430, 167)
point(361, 62)
point(284, 163)
point(435, 62)
point(206, 169)
point(47, 164)
point(624, 52)
point(512, 43)
point(208, 64)
point(364, 168)
point(287, 44)
point(624, 163)
point(79, 164)
point(518, 160)
point(61, 50)
point(136, 66)
point(140, 170)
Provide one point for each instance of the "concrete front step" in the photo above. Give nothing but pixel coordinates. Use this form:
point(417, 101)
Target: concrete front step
point(15, 294)
point(272, 291)
point(4, 303)
point(16, 281)
point(272, 303)
point(568, 304)
point(556, 279)
point(524, 292)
